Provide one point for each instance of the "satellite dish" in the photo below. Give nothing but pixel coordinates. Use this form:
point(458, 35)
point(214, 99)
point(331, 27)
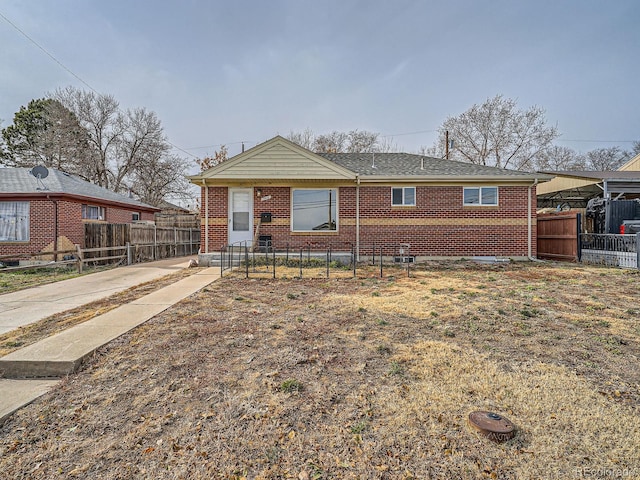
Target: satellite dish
point(40, 172)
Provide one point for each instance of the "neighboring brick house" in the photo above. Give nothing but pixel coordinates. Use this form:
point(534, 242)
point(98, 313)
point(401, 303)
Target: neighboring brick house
point(296, 198)
point(48, 214)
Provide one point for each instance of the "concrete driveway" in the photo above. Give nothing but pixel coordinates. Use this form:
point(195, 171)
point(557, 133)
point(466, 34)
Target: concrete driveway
point(21, 308)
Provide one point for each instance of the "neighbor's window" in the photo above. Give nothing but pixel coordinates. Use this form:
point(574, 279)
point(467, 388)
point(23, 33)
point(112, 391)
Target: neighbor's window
point(403, 196)
point(91, 212)
point(481, 196)
point(135, 216)
point(14, 221)
point(314, 209)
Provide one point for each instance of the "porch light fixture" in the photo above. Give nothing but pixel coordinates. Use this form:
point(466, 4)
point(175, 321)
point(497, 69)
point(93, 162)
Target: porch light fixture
point(259, 192)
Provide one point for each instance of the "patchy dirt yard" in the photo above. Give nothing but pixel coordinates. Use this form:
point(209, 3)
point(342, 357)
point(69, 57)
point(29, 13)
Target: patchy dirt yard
point(10, 281)
point(363, 378)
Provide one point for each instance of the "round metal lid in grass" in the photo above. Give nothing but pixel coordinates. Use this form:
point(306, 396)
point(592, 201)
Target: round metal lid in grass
point(492, 425)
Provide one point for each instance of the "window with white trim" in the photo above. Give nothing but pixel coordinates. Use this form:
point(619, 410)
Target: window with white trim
point(482, 196)
point(135, 216)
point(314, 209)
point(403, 196)
point(93, 212)
point(14, 221)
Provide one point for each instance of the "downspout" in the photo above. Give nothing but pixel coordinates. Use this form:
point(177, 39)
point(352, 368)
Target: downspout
point(357, 253)
point(55, 227)
point(206, 216)
point(530, 223)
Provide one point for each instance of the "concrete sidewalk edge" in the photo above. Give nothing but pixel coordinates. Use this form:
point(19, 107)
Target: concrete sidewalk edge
point(28, 372)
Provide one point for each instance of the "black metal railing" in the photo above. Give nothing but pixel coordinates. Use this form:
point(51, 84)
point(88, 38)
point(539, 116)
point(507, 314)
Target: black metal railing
point(610, 249)
point(266, 258)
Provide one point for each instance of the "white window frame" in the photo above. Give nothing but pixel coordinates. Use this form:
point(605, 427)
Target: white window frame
point(15, 221)
point(336, 219)
point(481, 203)
point(102, 212)
point(404, 197)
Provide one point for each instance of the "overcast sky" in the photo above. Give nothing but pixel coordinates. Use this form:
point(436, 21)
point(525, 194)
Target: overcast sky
point(221, 72)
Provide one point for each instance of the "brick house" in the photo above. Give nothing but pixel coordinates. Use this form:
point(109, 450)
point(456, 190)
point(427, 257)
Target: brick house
point(48, 214)
point(293, 197)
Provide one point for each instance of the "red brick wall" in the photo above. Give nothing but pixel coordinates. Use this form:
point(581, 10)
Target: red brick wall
point(217, 223)
point(70, 225)
point(439, 224)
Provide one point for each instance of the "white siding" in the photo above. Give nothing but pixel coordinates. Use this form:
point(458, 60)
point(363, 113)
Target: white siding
point(278, 161)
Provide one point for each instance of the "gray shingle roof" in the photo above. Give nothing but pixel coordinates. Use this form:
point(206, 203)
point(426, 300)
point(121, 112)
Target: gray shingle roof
point(407, 164)
point(20, 180)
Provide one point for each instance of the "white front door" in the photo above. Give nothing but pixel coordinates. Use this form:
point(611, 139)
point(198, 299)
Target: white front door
point(240, 215)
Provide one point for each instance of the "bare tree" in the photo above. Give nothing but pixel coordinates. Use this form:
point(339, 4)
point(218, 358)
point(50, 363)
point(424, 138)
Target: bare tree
point(333, 142)
point(127, 149)
point(497, 133)
point(431, 151)
point(555, 158)
point(99, 115)
point(602, 159)
point(161, 176)
point(142, 140)
point(305, 138)
point(354, 141)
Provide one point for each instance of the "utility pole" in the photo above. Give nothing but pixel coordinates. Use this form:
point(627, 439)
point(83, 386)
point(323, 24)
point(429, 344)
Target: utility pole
point(446, 144)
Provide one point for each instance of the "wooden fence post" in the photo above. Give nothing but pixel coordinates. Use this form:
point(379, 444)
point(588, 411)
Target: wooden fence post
point(80, 258)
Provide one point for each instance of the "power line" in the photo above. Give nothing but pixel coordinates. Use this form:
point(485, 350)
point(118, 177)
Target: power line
point(222, 145)
point(47, 53)
point(596, 141)
point(407, 133)
point(68, 70)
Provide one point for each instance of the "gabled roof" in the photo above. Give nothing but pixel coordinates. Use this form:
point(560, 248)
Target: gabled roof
point(20, 181)
point(281, 159)
point(632, 164)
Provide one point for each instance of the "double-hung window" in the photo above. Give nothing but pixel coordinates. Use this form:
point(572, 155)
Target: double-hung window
point(314, 209)
point(14, 221)
point(92, 212)
point(403, 196)
point(483, 196)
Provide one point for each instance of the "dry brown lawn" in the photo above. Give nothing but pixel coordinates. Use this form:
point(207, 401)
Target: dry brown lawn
point(363, 378)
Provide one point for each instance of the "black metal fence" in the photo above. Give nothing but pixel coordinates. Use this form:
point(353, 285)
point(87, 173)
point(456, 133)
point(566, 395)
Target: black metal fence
point(315, 260)
point(610, 250)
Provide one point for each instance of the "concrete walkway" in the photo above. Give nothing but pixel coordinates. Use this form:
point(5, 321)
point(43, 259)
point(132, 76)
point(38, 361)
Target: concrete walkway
point(64, 352)
point(33, 304)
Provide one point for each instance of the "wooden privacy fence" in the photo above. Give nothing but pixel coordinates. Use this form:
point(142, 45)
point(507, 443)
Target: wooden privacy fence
point(146, 242)
point(558, 236)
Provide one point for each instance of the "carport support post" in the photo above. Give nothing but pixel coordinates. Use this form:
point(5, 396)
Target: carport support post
point(638, 250)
